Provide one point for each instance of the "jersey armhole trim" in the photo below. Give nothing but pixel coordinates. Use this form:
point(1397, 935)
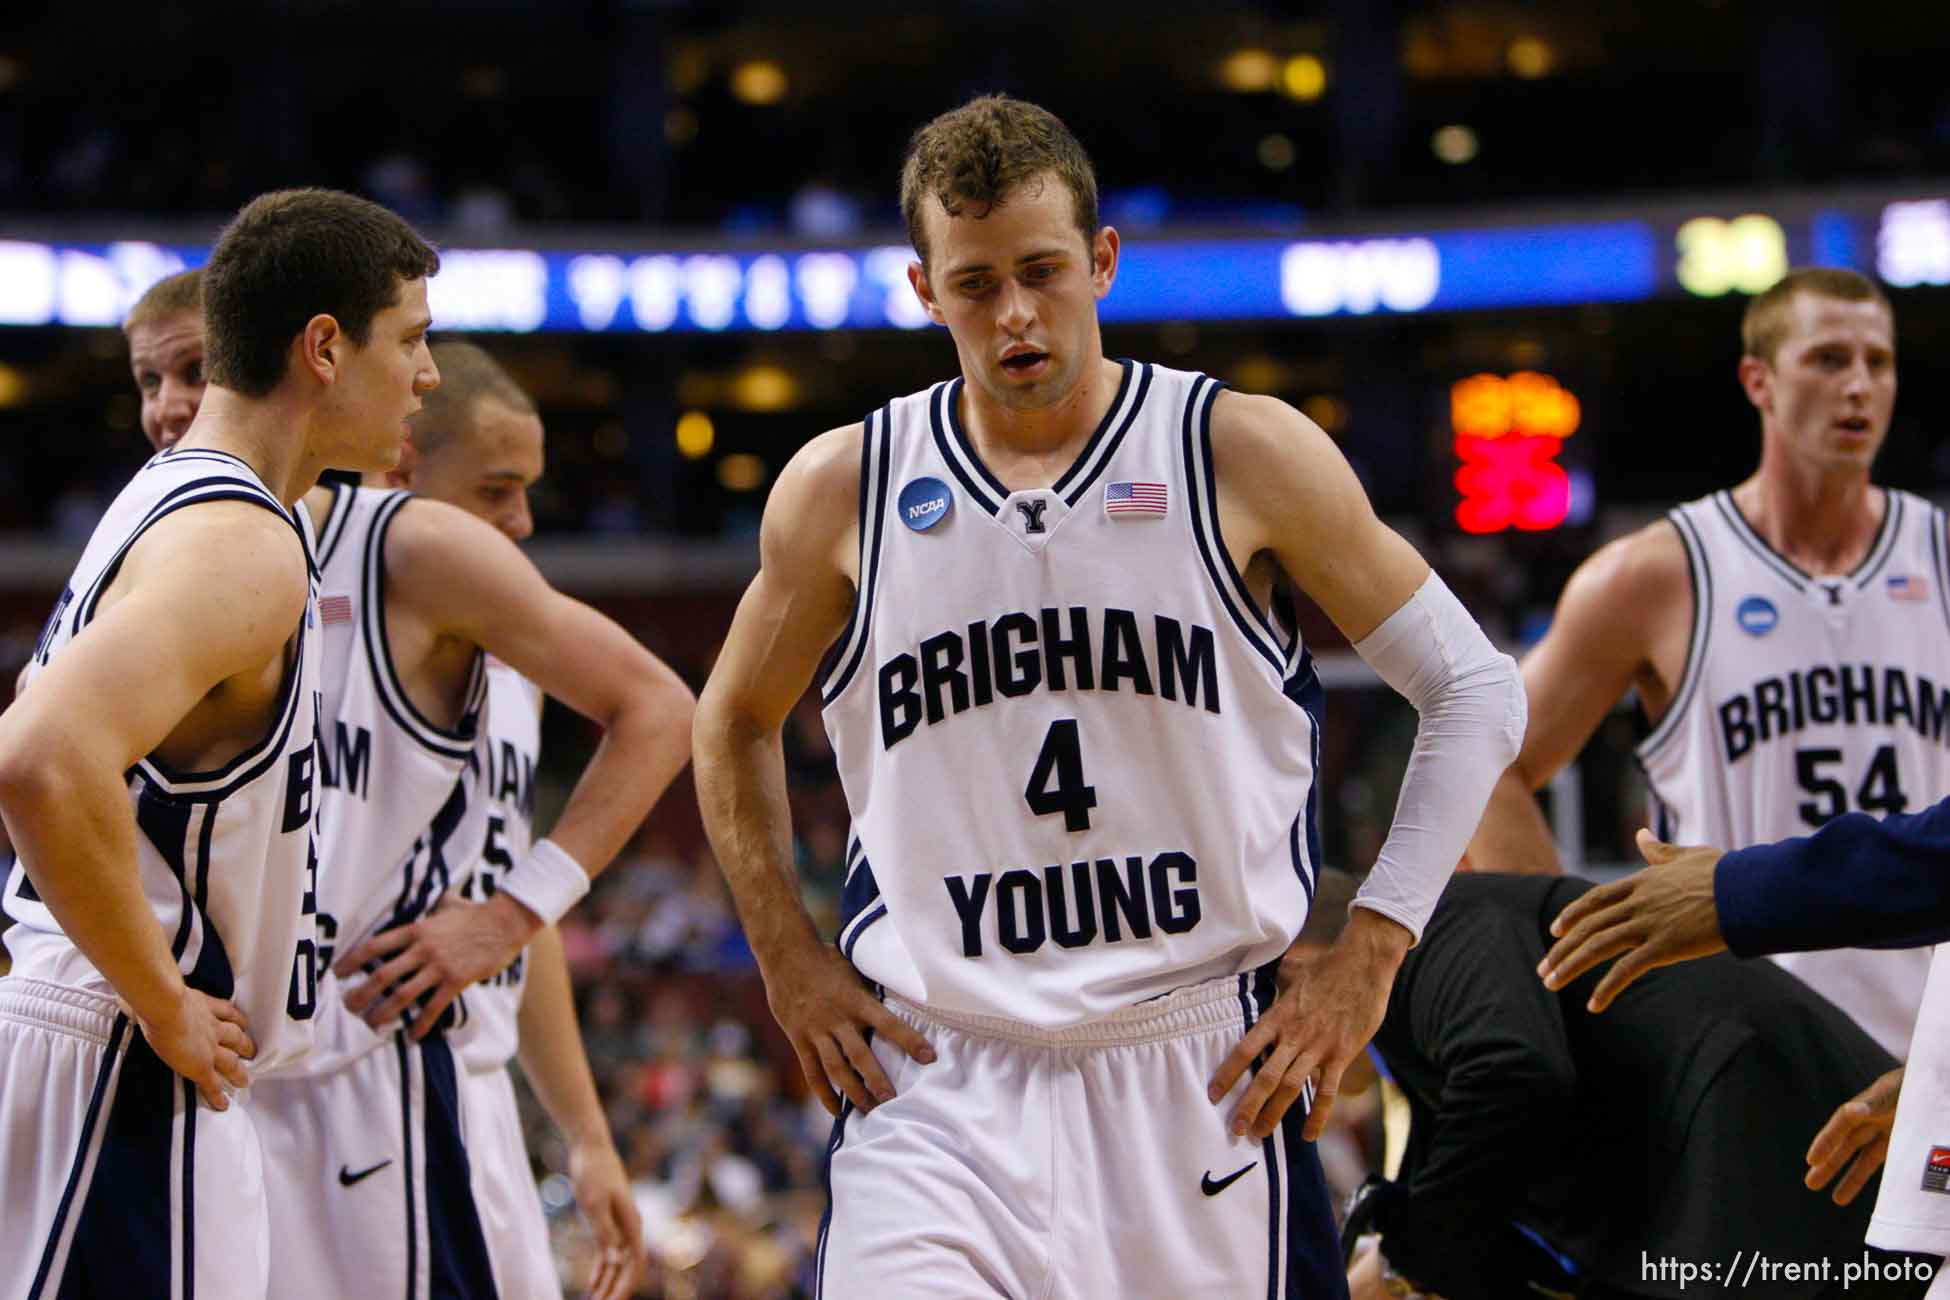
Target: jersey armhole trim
point(876, 451)
point(1701, 580)
point(337, 522)
point(456, 743)
point(1201, 484)
point(1940, 560)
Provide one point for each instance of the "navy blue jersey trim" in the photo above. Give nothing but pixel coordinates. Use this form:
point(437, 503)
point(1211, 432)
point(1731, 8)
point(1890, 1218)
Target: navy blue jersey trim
point(96, 1099)
point(194, 493)
point(1082, 465)
point(1200, 393)
point(1786, 570)
point(1701, 578)
point(1940, 555)
point(1313, 1248)
point(938, 424)
point(1116, 442)
point(1209, 480)
point(1885, 543)
point(876, 453)
point(406, 1134)
point(261, 757)
point(165, 823)
point(952, 403)
point(454, 743)
point(336, 525)
point(457, 1253)
point(188, 1209)
point(833, 1143)
point(866, 923)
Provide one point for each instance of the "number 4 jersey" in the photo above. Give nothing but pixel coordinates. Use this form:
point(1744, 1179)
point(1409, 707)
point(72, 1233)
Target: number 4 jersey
point(1079, 757)
point(1805, 697)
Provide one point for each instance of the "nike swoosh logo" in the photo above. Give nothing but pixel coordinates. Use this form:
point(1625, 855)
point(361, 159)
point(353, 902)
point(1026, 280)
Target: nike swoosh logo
point(347, 1178)
point(1212, 1187)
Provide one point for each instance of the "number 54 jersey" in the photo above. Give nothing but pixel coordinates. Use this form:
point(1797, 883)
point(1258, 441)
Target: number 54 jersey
point(1080, 759)
point(1807, 696)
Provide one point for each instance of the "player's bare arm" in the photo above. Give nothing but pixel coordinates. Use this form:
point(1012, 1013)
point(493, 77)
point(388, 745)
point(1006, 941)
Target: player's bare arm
point(456, 583)
point(1288, 498)
point(794, 609)
point(183, 661)
point(1623, 622)
point(557, 1068)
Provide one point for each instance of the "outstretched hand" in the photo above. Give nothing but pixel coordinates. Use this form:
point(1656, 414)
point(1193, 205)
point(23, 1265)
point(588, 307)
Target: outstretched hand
point(1656, 917)
point(827, 1012)
point(1858, 1131)
point(1329, 1004)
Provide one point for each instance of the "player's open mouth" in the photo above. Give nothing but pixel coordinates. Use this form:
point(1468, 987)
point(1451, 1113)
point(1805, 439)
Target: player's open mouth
point(1022, 362)
point(1853, 424)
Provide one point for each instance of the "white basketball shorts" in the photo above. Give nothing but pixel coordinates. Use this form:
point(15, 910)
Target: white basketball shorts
point(120, 1181)
point(367, 1174)
point(504, 1188)
point(1076, 1164)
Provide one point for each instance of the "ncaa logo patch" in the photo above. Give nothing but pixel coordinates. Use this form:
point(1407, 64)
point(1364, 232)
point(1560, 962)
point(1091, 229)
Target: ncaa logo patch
point(1756, 616)
point(1936, 1170)
point(925, 502)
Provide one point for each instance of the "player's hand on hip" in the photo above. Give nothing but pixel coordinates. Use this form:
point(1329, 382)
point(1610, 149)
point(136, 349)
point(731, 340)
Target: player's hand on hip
point(827, 1011)
point(1858, 1130)
point(603, 1194)
point(1655, 917)
point(1329, 1004)
point(435, 958)
point(204, 1039)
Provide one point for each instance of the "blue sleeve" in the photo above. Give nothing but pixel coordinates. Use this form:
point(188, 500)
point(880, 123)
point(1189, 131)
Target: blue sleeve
point(1855, 883)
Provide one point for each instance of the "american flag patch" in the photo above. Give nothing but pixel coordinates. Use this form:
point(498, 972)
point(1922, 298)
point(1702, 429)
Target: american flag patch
point(1905, 586)
point(335, 609)
point(1134, 499)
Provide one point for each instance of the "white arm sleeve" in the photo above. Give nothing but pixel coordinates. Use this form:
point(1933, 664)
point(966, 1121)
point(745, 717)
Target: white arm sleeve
point(1472, 712)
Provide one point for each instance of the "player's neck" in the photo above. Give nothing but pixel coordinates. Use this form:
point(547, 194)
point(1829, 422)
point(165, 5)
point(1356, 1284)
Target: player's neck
point(1034, 448)
point(1823, 521)
point(265, 433)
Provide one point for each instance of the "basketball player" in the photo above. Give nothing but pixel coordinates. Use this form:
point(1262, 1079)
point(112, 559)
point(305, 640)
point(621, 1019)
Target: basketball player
point(366, 1140)
point(1780, 636)
point(476, 444)
point(1077, 733)
point(165, 334)
point(157, 776)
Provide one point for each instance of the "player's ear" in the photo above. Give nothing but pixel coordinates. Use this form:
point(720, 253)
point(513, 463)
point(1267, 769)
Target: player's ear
point(1103, 259)
point(319, 349)
point(1757, 380)
point(917, 275)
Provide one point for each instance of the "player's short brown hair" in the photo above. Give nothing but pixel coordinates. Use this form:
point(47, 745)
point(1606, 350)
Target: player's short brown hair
point(291, 255)
point(1771, 314)
point(468, 377)
point(180, 294)
point(973, 156)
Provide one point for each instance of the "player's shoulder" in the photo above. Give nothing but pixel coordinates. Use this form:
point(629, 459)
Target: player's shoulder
point(1645, 569)
point(233, 563)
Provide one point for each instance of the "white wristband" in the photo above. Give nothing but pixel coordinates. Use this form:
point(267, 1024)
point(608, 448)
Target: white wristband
point(548, 882)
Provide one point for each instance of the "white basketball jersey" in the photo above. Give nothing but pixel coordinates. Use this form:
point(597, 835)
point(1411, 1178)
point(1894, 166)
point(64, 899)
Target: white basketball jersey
point(396, 819)
point(510, 752)
point(226, 857)
point(1078, 756)
point(1805, 697)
